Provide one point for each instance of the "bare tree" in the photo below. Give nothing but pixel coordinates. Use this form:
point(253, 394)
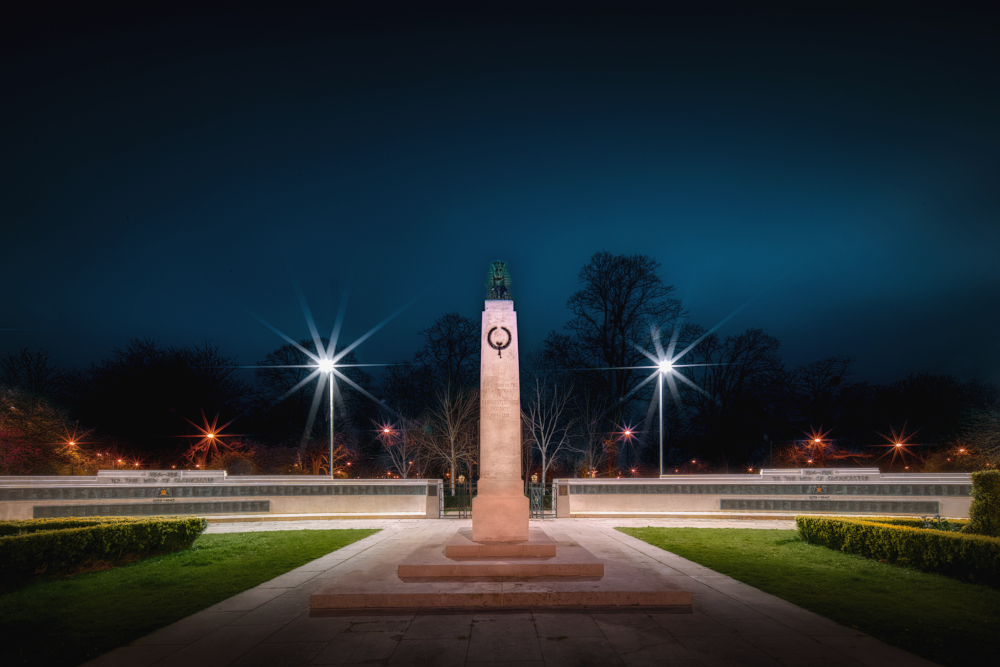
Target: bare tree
point(813, 389)
point(142, 394)
point(590, 431)
point(451, 438)
point(400, 444)
point(29, 371)
point(622, 300)
point(292, 411)
point(621, 306)
point(548, 423)
point(982, 433)
point(737, 374)
point(32, 434)
point(451, 351)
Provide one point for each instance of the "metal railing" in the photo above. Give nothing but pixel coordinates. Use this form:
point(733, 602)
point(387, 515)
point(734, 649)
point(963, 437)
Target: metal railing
point(541, 503)
point(458, 505)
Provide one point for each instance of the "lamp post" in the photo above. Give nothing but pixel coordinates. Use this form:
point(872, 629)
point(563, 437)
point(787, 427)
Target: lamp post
point(665, 367)
point(326, 366)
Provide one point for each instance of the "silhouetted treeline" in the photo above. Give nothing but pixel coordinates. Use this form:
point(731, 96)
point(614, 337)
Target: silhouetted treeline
point(590, 398)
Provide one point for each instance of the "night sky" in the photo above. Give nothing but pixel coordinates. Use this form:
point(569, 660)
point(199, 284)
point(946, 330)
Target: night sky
point(164, 173)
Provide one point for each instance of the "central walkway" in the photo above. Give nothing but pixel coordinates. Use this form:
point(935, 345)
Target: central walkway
point(732, 623)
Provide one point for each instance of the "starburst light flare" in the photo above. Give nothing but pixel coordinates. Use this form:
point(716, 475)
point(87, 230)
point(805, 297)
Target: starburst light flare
point(898, 446)
point(210, 438)
point(326, 359)
point(665, 366)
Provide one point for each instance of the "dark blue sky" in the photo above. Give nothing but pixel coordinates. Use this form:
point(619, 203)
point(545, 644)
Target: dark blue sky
point(162, 173)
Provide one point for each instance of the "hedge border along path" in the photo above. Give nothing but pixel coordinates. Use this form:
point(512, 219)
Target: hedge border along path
point(46, 546)
point(971, 558)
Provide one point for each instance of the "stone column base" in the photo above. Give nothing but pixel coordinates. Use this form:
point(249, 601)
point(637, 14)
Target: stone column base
point(499, 518)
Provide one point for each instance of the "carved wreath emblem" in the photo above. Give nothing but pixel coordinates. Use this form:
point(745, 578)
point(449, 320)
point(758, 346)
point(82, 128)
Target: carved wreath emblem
point(498, 347)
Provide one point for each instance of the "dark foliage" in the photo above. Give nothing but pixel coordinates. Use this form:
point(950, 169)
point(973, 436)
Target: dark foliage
point(143, 395)
point(984, 513)
point(30, 371)
point(291, 403)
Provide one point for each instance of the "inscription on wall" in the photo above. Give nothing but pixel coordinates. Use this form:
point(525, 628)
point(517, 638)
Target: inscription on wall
point(150, 509)
point(820, 477)
point(500, 397)
point(159, 477)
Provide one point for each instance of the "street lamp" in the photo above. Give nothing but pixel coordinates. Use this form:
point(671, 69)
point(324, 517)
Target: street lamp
point(665, 367)
point(326, 365)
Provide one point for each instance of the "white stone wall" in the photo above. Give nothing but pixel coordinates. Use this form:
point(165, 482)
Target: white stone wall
point(816, 483)
point(418, 504)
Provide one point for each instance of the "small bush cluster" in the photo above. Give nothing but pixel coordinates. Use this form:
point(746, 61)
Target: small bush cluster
point(35, 525)
point(984, 512)
point(974, 558)
point(930, 523)
point(52, 546)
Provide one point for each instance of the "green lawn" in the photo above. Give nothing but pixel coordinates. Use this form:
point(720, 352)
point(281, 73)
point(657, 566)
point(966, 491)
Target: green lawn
point(939, 618)
point(65, 621)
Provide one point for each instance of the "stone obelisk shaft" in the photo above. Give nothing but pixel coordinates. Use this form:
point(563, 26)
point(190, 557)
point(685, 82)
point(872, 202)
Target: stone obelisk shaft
point(500, 510)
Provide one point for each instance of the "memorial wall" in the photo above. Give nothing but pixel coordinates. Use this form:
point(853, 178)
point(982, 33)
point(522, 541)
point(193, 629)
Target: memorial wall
point(810, 490)
point(212, 492)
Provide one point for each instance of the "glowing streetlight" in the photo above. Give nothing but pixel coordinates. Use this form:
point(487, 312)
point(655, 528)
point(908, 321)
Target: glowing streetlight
point(326, 365)
point(665, 368)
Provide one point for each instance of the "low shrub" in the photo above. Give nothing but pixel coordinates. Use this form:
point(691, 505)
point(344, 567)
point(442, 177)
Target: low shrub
point(974, 558)
point(23, 527)
point(930, 523)
point(984, 512)
point(52, 546)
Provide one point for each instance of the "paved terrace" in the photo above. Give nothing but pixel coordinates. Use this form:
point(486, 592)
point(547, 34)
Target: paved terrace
point(732, 623)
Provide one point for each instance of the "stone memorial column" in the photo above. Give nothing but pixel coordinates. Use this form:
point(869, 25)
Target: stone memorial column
point(500, 510)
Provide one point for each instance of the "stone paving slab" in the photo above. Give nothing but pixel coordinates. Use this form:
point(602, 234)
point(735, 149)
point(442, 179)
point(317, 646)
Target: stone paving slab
point(731, 623)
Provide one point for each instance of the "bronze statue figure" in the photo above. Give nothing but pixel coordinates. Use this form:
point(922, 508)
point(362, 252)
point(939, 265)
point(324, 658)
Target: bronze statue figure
point(498, 282)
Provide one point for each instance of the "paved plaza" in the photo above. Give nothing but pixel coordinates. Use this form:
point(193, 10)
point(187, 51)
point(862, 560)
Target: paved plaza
point(731, 623)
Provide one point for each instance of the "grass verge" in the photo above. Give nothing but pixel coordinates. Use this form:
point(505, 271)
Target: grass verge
point(936, 617)
point(68, 620)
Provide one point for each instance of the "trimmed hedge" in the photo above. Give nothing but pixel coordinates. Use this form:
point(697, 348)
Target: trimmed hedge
point(51, 546)
point(931, 523)
point(974, 558)
point(984, 511)
point(34, 525)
